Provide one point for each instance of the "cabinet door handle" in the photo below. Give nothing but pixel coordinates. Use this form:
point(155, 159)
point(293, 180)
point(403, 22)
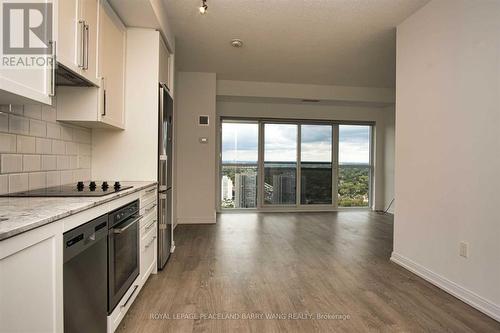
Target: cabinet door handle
point(81, 51)
point(147, 210)
point(150, 225)
point(131, 294)
point(53, 70)
point(150, 242)
point(86, 63)
point(104, 97)
point(103, 79)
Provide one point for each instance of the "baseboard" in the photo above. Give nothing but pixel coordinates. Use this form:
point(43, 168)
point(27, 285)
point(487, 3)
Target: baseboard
point(195, 220)
point(485, 306)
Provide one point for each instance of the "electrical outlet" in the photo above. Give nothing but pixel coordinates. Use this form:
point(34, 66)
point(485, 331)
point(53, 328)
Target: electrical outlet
point(464, 249)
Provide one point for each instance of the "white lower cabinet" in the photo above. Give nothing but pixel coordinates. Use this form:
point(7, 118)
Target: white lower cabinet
point(149, 234)
point(121, 309)
point(31, 281)
point(31, 269)
point(147, 256)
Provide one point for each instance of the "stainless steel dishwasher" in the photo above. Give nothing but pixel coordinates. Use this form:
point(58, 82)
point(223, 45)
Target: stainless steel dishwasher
point(85, 277)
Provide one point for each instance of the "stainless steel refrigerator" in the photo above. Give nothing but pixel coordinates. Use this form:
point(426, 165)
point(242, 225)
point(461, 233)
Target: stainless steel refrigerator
point(165, 129)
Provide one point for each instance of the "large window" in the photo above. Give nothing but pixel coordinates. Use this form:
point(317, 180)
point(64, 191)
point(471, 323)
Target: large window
point(316, 164)
point(354, 166)
point(280, 164)
point(240, 152)
point(304, 164)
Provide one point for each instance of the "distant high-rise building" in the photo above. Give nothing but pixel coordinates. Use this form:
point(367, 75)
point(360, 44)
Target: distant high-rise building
point(283, 189)
point(245, 191)
point(227, 188)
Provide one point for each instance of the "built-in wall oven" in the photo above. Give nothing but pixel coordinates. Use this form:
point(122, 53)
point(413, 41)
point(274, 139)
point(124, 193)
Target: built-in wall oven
point(123, 251)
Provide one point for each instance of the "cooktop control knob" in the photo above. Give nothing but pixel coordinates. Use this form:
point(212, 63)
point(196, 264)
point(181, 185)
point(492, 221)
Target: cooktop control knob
point(80, 186)
point(117, 185)
point(104, 186)
point(92, 186)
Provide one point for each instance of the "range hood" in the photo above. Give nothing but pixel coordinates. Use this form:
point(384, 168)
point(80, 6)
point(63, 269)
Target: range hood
point(68, 78)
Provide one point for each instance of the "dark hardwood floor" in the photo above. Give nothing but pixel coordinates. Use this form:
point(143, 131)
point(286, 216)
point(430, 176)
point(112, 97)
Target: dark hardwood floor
point(294, 264)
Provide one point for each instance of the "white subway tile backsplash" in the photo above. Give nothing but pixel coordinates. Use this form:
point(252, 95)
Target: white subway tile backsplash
point(38, 151)
point(33, 111)
point(81, 175)
point(11, 163)
point(53, 131)
point(73, 162)
point(82, 136)
point(17, 109)
point(66, 133)
point(4, 184)
point(53, 178)
point(83, 162)
point(38, 128)
point(84, 149)
point(49, 162)
point(19, 125)
point(18, 182)
point(71, 148)
point(49, 113)
point(4, 122)
point(26, 144)
point(58, 147)
point(7, 143)
point(66, 177)
point(37, 180)
point(43, 146)
point(62, 162)
point(31, 163)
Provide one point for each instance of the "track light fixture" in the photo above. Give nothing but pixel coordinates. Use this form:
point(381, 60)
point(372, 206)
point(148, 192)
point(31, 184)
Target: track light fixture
point(204, 7)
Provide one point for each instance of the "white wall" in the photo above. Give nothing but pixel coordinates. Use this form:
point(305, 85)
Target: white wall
point(447, 148)
point(380, 115)
point(195, 164)
point(132, 154)
point(389, 150)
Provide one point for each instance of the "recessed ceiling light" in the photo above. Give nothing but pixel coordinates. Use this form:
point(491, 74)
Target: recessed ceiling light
point(204, 7)
point(236, 43)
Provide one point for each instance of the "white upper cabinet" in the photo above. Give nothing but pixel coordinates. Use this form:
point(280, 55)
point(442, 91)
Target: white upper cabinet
point(77, 22)
point(101, 107)
point(111, 66)
point(21, 81)
point(69, 34)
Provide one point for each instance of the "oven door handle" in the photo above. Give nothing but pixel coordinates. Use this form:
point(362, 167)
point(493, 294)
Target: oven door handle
point(120, 230)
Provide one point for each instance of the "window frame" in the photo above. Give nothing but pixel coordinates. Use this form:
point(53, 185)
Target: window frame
point(298, 206)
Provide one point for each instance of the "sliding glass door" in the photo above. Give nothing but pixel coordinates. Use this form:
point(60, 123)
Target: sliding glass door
point(316, 164)
point(295, 164)
point(239, 164)
point(354, 166)
point(280, 164)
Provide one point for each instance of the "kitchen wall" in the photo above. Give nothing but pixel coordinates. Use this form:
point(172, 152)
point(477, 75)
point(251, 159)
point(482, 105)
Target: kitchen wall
point(132, 154)
point(195, 161)
point(37, 151)
point(447, 148)
point(380, 115)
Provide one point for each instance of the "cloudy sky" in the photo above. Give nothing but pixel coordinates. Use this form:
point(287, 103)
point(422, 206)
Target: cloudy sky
point(240, 143)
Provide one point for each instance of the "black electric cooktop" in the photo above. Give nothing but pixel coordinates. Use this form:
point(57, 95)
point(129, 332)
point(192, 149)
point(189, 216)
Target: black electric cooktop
point(81, 189)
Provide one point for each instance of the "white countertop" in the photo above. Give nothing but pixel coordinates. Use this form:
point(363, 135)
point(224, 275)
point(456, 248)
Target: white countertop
point(18, 215)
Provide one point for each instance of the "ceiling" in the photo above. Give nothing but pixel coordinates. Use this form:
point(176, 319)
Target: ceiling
point(331, 42)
